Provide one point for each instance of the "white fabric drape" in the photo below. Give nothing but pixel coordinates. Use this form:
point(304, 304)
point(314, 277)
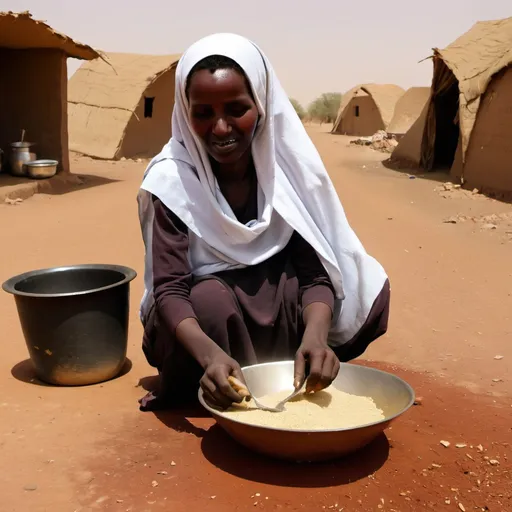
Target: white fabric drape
point(295, 193)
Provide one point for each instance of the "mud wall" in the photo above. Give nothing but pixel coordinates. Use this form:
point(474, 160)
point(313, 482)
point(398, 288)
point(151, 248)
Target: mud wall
point(368, 122)
point(488, 163)
point(144, 137)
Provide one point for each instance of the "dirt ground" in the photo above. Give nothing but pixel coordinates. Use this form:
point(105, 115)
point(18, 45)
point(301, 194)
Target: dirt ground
point(448, 255)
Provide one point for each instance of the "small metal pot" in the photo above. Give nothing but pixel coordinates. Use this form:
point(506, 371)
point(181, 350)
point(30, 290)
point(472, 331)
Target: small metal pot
point(40, 169)
point(20, 155)
point(75, 321)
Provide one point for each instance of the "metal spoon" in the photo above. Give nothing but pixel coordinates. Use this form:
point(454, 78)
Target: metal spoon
point(243, 391)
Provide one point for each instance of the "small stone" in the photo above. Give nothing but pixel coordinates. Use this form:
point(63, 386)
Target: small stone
point(212, 497)
point(257, 495)
point(475, 191)
point(494, 462)
point(489, 226)
point(173, 463)
point(154, 483)
point(161, 473)
point(497, 380)
point(498, 358)
point(480, 448)
point(461, 506)
point(446, 444)
point(30, 487)
point(119, 501)
point(460, 445)
point(447, 501)
point(418, 400)
point(435, 465)
point(469, 456)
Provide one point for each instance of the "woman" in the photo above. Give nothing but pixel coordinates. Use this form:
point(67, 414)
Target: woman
point(249, 256)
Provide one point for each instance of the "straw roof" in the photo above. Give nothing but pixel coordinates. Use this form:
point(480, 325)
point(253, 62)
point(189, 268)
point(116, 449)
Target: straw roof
point(385, 97)
point(408, 109)
point(20, 31)
point(119, 81)
point(103, 96)
point(474, 58)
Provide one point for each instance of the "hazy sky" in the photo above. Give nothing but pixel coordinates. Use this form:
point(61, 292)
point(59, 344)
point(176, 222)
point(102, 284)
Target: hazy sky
point(315, 45)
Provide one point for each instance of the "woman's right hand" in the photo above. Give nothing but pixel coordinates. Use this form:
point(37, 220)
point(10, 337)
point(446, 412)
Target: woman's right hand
point(217, 390)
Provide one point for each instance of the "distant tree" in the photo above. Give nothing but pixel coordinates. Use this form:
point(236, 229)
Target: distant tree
point(301, 112)
point(325, 108)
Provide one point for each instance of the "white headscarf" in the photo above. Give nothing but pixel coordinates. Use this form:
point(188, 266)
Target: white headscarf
point(295, 193)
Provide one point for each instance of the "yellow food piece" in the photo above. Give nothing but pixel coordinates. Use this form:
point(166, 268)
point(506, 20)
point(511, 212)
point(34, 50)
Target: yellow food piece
point(324, 410)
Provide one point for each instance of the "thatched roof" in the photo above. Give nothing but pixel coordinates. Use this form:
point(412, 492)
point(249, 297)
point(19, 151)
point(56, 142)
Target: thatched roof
point(103, 96)
point(385, 97)
point(21, 32)
point(408, 109)
point(120, 81)
point(474, 58)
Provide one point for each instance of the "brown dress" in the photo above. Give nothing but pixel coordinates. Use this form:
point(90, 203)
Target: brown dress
point(253, 313)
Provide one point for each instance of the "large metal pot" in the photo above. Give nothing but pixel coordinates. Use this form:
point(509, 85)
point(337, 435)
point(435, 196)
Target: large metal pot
point(75, 321)
point(393, 395)
point(20, 155)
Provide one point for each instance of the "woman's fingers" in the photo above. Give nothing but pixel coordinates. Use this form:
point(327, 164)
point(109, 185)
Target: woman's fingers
point(316, 363)
point(299, 369)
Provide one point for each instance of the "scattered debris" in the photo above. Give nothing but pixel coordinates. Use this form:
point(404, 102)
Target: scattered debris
point(13, 202)
point(446, 444)
point(380, 141)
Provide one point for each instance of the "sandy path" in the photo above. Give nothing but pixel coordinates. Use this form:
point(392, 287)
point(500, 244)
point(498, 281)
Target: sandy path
point(451, 307)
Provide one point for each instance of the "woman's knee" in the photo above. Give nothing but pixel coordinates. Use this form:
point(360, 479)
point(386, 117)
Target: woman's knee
point(214, 304)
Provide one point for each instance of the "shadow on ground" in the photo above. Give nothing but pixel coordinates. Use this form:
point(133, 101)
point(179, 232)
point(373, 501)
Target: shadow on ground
point(439, 176)
point(58, 185)
point(24, 371)
point(227, 455)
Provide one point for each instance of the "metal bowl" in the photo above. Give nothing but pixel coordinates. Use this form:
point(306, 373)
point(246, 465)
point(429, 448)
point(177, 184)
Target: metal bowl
point(75, 321)
point(39, 169)
point(391, 394)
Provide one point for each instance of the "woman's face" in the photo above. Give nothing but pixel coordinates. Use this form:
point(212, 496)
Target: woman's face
point(222, 113)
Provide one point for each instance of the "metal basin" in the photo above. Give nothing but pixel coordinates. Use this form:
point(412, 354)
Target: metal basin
point(393, 395)
point(40, 169)
point(75, 321)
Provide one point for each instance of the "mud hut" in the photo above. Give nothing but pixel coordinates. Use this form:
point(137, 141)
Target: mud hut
point(366, 109)
point(407, 110)
point(33, 84)
point(466, 124)
point(122, 107)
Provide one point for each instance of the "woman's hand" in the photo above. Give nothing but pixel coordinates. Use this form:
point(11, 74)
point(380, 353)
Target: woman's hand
point(217, 390)
point(314, 350)
point(323, 364)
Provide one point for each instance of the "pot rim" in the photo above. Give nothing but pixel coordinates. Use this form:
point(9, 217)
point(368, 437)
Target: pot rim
point(9, 286)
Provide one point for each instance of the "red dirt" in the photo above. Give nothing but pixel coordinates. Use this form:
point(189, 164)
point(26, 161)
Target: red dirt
point(450, 318)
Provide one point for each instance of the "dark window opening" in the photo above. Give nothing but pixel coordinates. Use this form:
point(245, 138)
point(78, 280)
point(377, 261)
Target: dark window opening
point(148, 106)
point(357, 110)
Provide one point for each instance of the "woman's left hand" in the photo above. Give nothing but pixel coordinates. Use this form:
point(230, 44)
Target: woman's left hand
point(323, 363)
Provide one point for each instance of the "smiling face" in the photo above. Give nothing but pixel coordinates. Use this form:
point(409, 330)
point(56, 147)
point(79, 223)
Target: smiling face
point(222, 112)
